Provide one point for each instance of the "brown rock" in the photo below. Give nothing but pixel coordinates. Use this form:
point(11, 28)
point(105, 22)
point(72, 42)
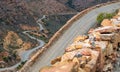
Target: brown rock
point(80, 38)
point(62, 67)
point(106, 22)
point(77, 45)
point(58, 59)
point(106, 29)
point(107, 37)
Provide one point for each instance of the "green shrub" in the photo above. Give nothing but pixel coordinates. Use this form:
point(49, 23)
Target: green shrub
point(5, 59)
point(21, 65)
point(103, 16)
point(100, 17)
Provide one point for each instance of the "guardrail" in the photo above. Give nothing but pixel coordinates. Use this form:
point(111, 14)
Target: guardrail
point(56, 36)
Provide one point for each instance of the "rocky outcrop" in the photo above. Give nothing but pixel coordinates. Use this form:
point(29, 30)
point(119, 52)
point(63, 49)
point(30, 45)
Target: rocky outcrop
point(62, 67)
point(95, 53)
point(57, 35)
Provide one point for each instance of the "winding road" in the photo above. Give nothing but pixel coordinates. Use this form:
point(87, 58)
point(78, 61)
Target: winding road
point(24, 55)
point(79, 27)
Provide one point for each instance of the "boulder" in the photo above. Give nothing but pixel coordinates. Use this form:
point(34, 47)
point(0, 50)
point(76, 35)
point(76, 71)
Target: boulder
point(106, 29)
point(62, 67)
point(77, 45)
point(80, 38)
point(103, 45)
point(58, 59)
point(106, 22)
point(107, 37)
point(116, 40)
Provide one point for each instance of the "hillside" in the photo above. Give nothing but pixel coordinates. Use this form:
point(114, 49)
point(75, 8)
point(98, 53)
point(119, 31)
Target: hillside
point(17, 16)
point(14, 19)
point(47, 7)
point(81, 4)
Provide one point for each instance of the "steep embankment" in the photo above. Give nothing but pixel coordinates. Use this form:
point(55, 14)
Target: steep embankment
point(78, 27)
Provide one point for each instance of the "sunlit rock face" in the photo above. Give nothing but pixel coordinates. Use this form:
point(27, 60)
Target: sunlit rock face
point(96, 52)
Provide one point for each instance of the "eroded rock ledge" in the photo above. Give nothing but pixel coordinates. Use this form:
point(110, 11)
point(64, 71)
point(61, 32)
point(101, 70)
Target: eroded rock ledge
point(96, 52)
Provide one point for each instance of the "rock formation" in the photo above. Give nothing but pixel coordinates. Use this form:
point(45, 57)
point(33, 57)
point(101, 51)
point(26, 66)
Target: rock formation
point(96, 52)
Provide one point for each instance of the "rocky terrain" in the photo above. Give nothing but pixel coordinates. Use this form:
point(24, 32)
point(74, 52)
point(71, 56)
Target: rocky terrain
point(47, 7)
point(14, 18)
point(98, 51)
point(17, 16)
point(79, 5)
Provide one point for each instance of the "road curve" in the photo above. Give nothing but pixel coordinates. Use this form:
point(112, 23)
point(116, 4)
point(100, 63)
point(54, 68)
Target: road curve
point(79, 27)
point(24, 55)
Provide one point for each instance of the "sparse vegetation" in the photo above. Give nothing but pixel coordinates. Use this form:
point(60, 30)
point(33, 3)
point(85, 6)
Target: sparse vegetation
point(19, 16)
point(80, 5)
point(54, 22)
point(44, 39)
point(40, 37)
point(20, 66)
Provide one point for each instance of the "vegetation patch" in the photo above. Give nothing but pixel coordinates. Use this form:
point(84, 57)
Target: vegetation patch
point(21, 65)
point(42, 37)
point(103, 16)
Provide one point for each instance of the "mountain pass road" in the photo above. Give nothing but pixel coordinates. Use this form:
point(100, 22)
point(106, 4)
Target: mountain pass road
point(79, 27)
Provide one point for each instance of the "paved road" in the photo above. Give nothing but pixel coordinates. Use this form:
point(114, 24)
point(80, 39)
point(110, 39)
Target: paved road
point(24, 55)
point(79, 27)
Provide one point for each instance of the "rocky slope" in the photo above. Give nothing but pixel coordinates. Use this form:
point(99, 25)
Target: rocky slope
point(17, 16)
point(47, 7)
point(14, 18)
point(81, 4)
